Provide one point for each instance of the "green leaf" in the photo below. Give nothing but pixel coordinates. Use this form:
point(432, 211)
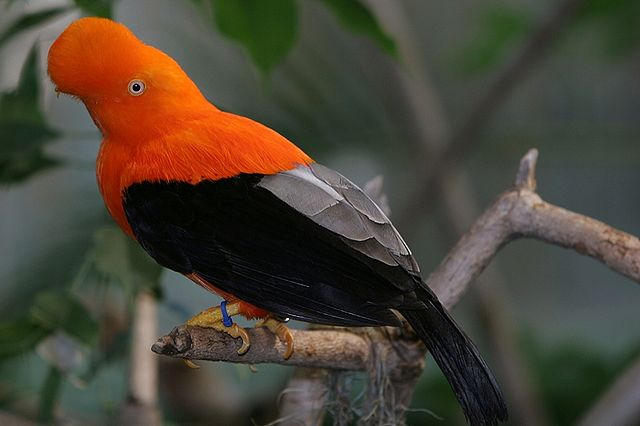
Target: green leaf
point(23, 128)
point(27, 22)
point(20, 336)
point(21, 151)
point(501, 27)
point(102, 8)
point(357, 18)
point(22, 103)
point(62, 311)
point(267, 29)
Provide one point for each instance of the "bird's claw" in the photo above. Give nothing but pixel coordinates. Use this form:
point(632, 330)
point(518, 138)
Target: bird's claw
point(213, 318)
point(190, 364)
point(281, 331)
point(236, 331)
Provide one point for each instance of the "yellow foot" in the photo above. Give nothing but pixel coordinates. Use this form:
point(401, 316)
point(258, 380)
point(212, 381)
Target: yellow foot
point(281, 331)
point(213, 318)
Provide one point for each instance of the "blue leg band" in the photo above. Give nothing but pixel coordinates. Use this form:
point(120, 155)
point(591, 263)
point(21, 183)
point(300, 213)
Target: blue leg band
point(226, 319)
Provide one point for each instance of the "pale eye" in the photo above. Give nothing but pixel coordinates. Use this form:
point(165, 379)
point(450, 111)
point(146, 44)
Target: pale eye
point(136, 87)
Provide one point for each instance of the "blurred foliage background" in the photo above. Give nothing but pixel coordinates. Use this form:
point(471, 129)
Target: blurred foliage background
point(369, 88)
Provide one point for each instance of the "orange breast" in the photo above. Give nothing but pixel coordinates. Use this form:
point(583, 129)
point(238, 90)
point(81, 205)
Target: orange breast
point(220, 146)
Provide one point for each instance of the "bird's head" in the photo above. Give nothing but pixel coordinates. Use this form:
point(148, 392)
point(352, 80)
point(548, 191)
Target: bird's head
point(127, 86)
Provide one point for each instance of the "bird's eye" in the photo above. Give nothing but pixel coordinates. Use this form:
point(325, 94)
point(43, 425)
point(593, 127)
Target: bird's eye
point(136, 87)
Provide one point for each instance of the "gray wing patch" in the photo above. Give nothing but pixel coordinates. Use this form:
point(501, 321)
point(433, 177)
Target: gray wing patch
point(301, 193)
point(334, 202)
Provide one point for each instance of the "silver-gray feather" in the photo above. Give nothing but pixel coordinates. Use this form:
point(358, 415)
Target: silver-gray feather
point(336, 203)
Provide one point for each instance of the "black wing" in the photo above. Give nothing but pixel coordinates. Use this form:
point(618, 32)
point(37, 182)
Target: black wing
point(305, 244)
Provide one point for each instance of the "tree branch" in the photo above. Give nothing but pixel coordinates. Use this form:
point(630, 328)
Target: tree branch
point(519, 212)
point(335, 348)
point(141, 406)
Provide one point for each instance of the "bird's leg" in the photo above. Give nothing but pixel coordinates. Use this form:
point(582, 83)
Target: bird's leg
point(281, 331)
point(219, 318)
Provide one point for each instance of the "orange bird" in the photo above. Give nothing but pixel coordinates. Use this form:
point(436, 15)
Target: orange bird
point(246, 214)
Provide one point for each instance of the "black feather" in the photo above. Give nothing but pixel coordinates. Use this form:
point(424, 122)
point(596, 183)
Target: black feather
point(469, 376)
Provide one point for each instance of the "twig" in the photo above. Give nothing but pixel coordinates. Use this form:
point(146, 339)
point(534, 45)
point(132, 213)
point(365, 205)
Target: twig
point(620, 404)
point(521, 212)
point(422, 113)
point(141, 405)
point(463, 138)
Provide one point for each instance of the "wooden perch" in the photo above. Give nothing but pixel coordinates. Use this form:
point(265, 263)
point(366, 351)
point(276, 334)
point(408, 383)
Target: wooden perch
point(335, 348)
point(519, 212)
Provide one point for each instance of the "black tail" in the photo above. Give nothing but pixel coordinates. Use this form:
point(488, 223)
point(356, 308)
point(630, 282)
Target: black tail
point(472, 381)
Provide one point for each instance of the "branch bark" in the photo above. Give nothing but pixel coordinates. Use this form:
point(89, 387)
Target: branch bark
point(335, 348)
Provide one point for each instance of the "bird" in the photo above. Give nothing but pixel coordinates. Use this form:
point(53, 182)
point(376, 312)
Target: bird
point(243, 212)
